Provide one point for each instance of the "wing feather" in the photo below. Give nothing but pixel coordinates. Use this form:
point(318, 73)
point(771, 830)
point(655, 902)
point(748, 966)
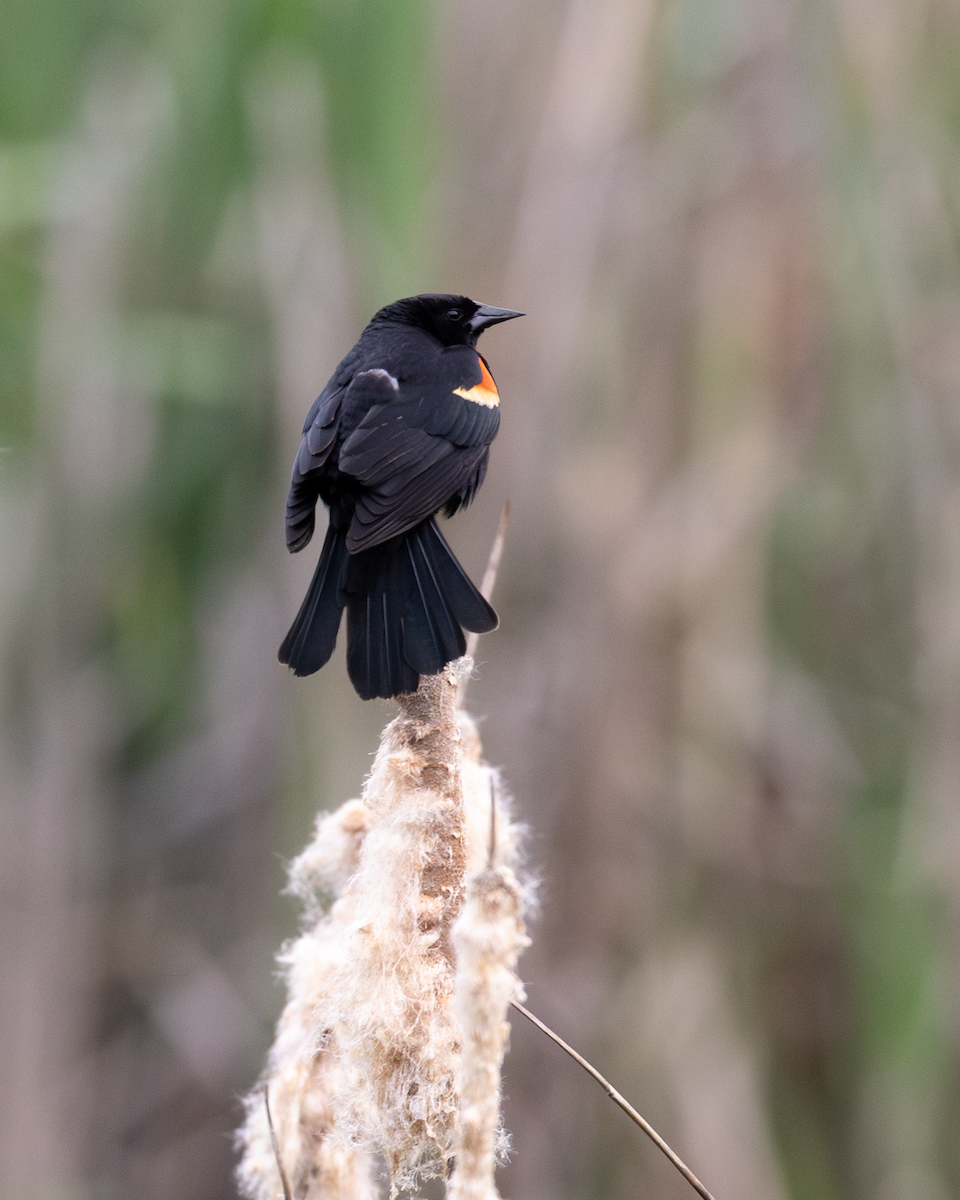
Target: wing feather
point(378, 517)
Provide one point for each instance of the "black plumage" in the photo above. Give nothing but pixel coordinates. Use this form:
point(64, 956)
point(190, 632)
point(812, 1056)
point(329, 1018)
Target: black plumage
point(401, 432)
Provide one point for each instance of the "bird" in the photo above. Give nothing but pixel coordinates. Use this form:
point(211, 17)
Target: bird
point(400, 433)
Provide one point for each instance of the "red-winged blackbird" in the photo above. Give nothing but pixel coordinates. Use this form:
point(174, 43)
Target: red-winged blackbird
point(401, 431)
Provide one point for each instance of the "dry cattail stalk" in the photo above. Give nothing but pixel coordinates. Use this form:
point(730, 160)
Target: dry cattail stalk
point(488, 937)
point(300, 1071)
point(369, 1048)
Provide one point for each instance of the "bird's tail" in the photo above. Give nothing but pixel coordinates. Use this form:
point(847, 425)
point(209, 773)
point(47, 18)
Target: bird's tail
point(408, 602)
point(313, 633)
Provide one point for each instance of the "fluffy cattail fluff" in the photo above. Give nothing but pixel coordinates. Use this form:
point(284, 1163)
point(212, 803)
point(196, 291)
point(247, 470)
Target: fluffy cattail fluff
point(488, 937)
point(300, 1074)
point(369, 1053)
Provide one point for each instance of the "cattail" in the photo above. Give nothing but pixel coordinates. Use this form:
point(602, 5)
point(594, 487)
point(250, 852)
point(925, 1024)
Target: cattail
point(299, 1079)
point(488, 937)
point(372, 1051)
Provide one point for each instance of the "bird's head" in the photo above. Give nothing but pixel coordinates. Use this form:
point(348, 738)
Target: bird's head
point(453, 320)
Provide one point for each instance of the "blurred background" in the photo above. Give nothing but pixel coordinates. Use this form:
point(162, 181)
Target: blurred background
point(725, 687)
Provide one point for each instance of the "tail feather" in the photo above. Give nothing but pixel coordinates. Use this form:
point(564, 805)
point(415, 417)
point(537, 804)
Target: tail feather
point(468, 606)
point(408, 601)
point(313, 633)
point(377, 585)
point(431, 635)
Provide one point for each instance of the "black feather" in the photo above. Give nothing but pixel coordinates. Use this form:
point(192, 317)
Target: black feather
point(431, 635)
point(377, 584)
point(468, 606)
point(313, 634)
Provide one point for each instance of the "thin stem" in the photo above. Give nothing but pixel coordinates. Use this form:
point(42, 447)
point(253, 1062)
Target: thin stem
point(493, 822)
point(618, 1099)
point(496, 553)
point(275, 1144)
point(493, 565)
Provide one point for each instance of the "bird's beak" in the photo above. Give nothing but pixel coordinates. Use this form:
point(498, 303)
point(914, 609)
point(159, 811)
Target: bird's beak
point(486, 315)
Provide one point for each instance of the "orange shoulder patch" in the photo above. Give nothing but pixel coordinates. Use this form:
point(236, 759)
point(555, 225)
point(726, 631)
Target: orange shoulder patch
point(485, 392)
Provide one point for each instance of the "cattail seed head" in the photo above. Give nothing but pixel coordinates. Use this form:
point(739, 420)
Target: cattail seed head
point(373, 1053)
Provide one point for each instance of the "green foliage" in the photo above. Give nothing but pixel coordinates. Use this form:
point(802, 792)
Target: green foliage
point(193, 351)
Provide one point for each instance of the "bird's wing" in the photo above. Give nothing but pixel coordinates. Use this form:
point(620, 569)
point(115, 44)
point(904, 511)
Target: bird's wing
point(427, 444)
point(341, 402)
point(319, 435)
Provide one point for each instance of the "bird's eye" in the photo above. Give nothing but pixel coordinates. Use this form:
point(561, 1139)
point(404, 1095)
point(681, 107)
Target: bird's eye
point(454, 314)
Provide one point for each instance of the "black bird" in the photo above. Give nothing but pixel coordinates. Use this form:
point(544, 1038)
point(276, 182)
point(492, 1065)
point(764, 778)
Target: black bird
point(401, 432)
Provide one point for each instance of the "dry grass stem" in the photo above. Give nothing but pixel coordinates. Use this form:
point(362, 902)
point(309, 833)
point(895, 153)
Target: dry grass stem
point(618, 1100)
point(275, 1144)
point(489, 580)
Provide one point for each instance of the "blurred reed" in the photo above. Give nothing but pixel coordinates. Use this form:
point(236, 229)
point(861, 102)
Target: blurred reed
point(725, 686)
